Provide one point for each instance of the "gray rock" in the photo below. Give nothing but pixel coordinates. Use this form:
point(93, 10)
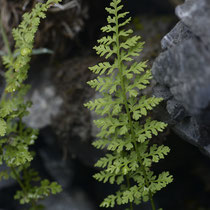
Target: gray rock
point(177, 35)
point(64, 201)
point(207, 149)
point(58, 169)
point(161, 91)
point(175, 110)
point(46, 105)
point(189, 130)
point(73, 124)
point(46, 101)
point(183, 74)
point(186, 73)
point(195, 14)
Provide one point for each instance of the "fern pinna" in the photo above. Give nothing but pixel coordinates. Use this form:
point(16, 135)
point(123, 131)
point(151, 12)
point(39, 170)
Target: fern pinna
point(124, 129)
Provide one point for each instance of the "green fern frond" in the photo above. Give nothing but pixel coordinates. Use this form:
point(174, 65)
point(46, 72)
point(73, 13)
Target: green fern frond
point(24, 37)
point(121, 106)
point(16, 136)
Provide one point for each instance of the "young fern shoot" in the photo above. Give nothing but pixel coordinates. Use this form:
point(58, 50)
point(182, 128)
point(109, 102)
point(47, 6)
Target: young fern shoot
point(125, 131)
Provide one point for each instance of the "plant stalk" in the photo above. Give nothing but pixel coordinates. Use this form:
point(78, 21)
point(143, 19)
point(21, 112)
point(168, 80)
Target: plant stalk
point(128, 112)
point(128, 184)
point(18, 180)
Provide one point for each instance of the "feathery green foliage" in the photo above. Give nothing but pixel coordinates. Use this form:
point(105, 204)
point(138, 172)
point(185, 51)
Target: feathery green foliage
point(16, 137)
point(125, 129)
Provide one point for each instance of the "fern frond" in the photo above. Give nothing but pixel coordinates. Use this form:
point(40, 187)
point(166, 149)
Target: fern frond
point(120, 82)
point(24, 38)
point(16, 137)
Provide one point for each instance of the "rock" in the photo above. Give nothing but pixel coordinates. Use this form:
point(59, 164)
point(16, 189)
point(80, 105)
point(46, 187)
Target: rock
point(50, 159)
point(183, 71)
point(73, 124)
point(178, 34)
point(175, 110)
point(162, 92)
point(186, 73)
point(46, 103)
point(64, 201)
point(73, 196)
point(195, 14)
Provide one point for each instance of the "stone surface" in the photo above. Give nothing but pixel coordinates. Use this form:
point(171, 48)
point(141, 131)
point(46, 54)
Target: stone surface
point(59, 169)
point(187, 74)
point(183, 70)
point(72, 197)
point(46, 105)
point(195, 14)
point(178, 34)
point(73, 124)
point(65, 201)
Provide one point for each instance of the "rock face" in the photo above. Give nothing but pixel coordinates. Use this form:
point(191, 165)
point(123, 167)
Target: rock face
point(183, 73)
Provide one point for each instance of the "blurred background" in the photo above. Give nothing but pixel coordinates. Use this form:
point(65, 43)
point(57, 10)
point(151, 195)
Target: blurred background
point(177, 46)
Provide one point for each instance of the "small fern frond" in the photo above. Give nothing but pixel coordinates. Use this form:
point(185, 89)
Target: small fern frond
point(16, 136)
point(121, 106)
point(24, 38)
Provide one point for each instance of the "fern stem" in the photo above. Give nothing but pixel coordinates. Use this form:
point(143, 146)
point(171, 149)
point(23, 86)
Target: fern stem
point(119, 64)
point(17, 177)
point(128, 184)
point(33, 204)
point(5, 39)
point(18, 180)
